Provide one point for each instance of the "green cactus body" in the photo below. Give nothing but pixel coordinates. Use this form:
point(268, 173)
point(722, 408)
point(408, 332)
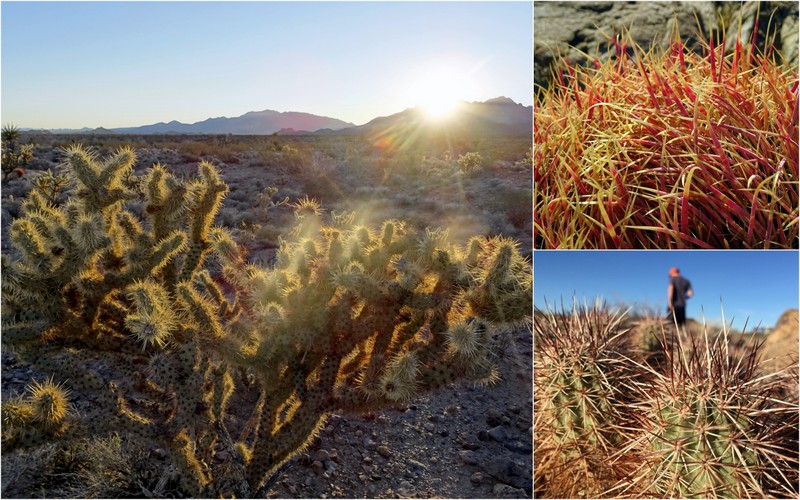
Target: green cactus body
point(704, 435)
point(581, 385)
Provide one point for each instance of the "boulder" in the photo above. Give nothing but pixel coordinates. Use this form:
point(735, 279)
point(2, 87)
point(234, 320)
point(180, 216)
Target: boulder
point(581, 31)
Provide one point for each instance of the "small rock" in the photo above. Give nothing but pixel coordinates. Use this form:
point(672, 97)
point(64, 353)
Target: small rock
point(469, 446)
point(434, 418)
point(317, 465)
point(483, 435)
point(506, 491)
point(367, 459)
point(414, 464)
point(509, 471)
point(405, 488)
point(330, 466)
point(468, 457)
point(477, 478)
point(384, 451)
point(518, 446)
point(493, 417)
point(369, 444)
point(498, 433)
point(429, 426)
point(321, 456)
point(222, 455)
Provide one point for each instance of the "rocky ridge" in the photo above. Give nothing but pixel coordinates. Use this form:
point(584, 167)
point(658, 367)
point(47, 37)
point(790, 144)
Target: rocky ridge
point(580, 30)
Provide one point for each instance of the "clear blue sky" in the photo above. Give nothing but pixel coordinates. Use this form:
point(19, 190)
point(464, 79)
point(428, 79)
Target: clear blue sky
point(114, 64)
point(758, 284)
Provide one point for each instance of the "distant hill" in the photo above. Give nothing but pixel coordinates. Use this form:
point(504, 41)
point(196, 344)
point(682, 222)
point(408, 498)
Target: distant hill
point(253, 123)
point(498, 116)
point(782, 342)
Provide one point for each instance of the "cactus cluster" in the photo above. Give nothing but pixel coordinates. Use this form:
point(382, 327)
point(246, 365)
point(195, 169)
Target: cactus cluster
point(165, 323)
point(699, 423)
point(582, 383)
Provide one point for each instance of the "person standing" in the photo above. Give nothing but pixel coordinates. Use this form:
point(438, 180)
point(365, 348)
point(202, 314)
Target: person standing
point(679, 291)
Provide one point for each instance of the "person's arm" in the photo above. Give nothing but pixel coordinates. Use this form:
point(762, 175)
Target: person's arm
point(689, 292)
point(670, 289)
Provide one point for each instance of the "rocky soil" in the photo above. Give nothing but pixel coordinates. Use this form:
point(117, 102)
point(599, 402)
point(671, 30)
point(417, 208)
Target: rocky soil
point(461, 442)
point(580, 29)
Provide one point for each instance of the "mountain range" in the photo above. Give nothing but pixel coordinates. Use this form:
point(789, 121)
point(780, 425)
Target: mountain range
point(498, 116)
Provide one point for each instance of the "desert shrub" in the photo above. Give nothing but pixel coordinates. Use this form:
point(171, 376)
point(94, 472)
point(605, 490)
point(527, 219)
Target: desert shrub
point(668, 149)
point(470, 162)
point(185, 347)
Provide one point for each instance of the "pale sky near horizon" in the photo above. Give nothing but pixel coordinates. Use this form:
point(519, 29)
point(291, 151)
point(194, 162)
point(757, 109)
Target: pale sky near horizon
point(119, 64)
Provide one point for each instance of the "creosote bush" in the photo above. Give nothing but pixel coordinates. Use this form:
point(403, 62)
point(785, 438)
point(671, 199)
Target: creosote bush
point(668, 149)
point(164, 323)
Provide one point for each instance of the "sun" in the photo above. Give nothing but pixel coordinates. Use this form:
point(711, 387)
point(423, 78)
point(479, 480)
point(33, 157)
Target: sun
point(438, 93)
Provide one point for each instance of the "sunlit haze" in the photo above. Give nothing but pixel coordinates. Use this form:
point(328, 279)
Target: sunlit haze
point(120, 64)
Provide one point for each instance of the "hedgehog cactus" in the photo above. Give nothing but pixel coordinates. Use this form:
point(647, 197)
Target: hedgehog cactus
point(582, 380)
point(352, 318)
point(710, 429)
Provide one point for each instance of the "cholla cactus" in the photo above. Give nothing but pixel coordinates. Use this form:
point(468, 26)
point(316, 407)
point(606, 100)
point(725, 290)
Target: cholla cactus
point(15, 158)
point(470, 162)
point(37, 416)
point(352, 318)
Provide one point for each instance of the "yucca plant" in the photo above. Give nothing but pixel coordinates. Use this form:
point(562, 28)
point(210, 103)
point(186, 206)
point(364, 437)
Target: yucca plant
point(710, 428)
point(582, 382)
point(668, 149)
